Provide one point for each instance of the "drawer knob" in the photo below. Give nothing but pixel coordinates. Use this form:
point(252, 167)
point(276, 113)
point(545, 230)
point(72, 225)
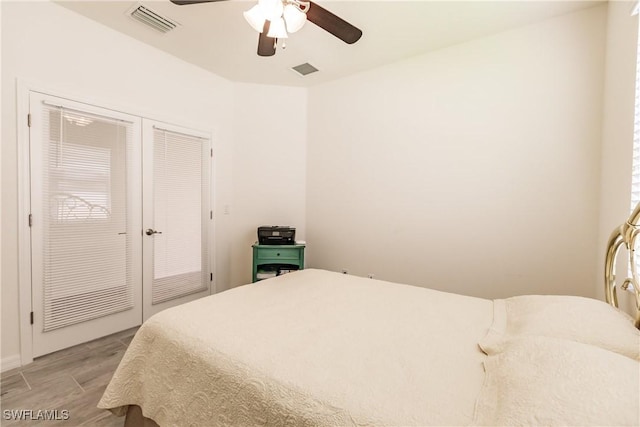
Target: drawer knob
point(278, 254)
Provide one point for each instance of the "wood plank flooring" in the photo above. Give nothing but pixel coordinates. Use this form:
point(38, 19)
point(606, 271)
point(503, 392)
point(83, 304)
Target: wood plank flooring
point(72, 379)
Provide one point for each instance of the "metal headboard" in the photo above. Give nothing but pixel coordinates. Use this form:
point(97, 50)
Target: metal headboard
point(625, 234)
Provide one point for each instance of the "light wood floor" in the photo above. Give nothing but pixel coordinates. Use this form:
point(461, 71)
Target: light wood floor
point(72, 379)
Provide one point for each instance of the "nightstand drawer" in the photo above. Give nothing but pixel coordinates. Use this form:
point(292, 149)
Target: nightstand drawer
point(278, 254)
point(278, 259)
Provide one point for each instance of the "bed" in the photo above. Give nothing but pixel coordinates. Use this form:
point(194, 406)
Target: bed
point(319, 348)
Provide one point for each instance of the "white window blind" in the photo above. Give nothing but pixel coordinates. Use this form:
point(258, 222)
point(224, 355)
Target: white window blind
point(86, 269)
point(180, 181)
point(635, 175)
point(635, 172)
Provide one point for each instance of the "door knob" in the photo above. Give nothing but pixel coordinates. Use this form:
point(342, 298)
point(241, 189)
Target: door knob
point(150, 232)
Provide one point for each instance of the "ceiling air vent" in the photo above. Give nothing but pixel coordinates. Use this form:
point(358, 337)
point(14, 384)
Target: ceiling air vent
point(152, 19)
point(304, 69)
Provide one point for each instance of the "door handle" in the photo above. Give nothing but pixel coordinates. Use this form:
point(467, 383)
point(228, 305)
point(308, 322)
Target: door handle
point(150, 232)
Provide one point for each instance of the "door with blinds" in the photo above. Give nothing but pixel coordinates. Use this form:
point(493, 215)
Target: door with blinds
point(176, 214)
point(85, 222)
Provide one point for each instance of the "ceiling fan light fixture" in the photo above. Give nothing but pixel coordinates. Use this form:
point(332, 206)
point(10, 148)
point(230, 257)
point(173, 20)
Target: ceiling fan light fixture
point(294, 18)
point(277, 29)
point(255, 18)
point(274, 22)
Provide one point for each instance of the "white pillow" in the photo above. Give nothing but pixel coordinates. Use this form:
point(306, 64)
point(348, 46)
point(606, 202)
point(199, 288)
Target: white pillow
point(573, 318)
point(550, 382)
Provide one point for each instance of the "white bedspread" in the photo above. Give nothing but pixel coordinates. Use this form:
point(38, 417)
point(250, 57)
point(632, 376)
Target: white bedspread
point(309, 348)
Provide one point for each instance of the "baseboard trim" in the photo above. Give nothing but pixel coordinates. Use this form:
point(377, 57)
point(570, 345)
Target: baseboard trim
point(10, 362)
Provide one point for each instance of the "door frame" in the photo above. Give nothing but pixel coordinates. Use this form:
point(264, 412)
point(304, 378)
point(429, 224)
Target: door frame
point(23, 90)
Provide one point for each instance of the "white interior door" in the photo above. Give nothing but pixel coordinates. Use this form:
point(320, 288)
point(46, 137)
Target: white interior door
point(176, 216)
point(85, 222)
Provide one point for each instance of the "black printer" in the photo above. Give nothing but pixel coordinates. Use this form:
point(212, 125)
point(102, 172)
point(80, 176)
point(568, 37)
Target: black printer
point(276, 235)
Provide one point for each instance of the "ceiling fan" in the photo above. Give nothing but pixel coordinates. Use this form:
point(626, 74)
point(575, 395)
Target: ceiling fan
point(274, 18)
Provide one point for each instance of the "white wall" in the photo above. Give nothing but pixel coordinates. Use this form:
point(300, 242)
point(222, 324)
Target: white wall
point(472, 169)
point(617, 133)
point(268, 166)
point(51, 46)
point(1, 292)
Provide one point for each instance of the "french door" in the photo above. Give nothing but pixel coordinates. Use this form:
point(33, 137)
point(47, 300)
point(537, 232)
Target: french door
point(176, 215)
point(85, 197)
point(98, 265)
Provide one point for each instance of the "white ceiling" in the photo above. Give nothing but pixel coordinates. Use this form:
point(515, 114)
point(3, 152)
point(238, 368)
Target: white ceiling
point(216, 37)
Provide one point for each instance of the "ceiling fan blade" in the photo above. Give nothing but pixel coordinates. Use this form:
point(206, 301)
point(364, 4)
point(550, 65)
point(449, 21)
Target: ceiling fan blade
point(186, 2)
point(266, 45)
point(333, 24)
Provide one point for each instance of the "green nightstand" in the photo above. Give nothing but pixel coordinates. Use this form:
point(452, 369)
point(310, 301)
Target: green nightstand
point(273, 260)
